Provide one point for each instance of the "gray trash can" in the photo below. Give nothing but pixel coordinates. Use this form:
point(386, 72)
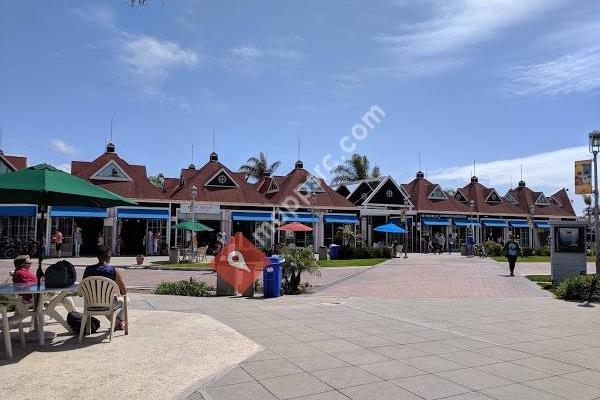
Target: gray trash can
point(323, 253)
point(173, 255)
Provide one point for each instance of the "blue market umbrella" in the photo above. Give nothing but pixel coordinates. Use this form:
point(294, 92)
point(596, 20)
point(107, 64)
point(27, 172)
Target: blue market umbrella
point(390, 228)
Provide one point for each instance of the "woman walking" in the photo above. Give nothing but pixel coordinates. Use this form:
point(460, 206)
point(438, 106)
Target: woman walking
point(511, 250)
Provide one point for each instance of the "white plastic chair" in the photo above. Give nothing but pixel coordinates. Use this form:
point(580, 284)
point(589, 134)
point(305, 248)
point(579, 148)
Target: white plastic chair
point(201, 253)
point(99, 298)
point(7, 324)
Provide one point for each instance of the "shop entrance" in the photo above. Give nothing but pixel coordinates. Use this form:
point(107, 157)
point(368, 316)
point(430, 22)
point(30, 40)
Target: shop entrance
point(131, 236)
point(90, 228)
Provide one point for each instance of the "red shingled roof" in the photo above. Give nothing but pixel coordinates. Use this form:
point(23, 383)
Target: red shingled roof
point(479, 193)
point(287, 188)
point(419, 190)
point(243, 193)
point(14, 162)
point(138, 188)
point(560, 204)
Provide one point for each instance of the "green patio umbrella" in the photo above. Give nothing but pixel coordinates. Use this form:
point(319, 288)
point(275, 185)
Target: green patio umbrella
point(45, 186)
point(193, 226)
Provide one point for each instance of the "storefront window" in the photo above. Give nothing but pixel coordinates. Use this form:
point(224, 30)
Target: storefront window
point(21, 228)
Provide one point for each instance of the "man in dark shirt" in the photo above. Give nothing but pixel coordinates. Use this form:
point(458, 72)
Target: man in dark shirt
point(511, 250)
point(104, 269)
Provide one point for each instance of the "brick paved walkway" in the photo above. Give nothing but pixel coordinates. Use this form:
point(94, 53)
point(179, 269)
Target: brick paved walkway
point(437, 276)
point(373, 349)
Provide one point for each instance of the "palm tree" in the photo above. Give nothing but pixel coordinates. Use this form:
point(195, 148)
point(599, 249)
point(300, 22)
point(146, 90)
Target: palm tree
point(257, 167)
point(158, 180)
point(357, 168)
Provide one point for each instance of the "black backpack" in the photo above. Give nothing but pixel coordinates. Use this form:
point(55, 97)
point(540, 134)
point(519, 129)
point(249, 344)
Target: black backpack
point(74, 321)
point(60, 275)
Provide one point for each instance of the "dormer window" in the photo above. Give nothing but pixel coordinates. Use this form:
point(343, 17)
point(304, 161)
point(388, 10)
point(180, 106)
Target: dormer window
point(493, 197)
point(509, 198)
point(111, 171)
point(221, 179)
point(460, 197)
point(273, 188)
point(311, 185)
point(437, 194)
point(542, 200)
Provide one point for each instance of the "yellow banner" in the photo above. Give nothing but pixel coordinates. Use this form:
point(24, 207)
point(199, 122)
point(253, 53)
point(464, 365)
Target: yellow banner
point(583, 177)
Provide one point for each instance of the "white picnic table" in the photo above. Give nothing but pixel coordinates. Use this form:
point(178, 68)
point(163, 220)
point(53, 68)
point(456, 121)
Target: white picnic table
point(47, 301)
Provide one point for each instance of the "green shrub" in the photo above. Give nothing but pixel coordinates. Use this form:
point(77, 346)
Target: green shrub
point(527, 252)
point(297, 261)
point(492, 249)
point(349, 253)
point(580, 288)
point(542, 251)
point(192, 288)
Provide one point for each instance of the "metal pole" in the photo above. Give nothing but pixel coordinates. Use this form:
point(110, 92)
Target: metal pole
point(596, 215)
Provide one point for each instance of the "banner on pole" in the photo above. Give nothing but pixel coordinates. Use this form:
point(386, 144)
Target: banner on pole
point(583, 177)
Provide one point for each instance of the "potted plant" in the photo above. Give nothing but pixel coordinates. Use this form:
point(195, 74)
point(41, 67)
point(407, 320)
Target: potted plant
point(139, 259)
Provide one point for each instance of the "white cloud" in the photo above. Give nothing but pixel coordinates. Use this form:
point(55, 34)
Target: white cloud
point(548, 172)
point(62, 147)
point(150, 60)
point(97, 14)
point(455, 27)
point(248, 56)
point(64, 167)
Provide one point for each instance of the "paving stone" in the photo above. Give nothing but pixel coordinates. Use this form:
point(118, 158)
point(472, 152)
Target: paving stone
point(334, 346)
point(433, 363)
point(289, 386)
point(469, 396)
point(430, 386)
point(502, 353)
point(566, 388)
point(362, 356)
point(241, 391)
point(270, 368)
point(236, 375)
point(547, 365)
point(467, 343)
point(435, 347)
point(518, 391)
point(587, 376)
point(371, 341)
point(513, 372)
point(470, 358)
point(323, 396)
point(316, 362)
point(378, 391)
point(399, 352)
point(474, 379)
point(392, 370)
point(345, 377)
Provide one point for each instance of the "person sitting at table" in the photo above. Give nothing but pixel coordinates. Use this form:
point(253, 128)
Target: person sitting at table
point(22, 273)
point(104, 269)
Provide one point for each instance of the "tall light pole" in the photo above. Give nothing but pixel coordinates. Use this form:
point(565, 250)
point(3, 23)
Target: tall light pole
point(531, 225)
point(594, 149)
point(472, 205)
point(313, 198)
point(194, 193)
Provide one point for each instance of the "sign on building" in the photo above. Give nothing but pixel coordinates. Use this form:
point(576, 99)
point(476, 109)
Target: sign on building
point(583, 177)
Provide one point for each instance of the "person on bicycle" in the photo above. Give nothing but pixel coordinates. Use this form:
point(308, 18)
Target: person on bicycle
point(511, 250)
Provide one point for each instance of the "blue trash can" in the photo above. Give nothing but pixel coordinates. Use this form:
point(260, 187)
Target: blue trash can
point(272, 277)
point(333, 251)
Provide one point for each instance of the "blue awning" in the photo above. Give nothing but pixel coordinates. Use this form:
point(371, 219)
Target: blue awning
point(542, 224)
point(462, 222)
point(519, 223)
point(143, 213)
point(291, 217)
point(252, 216)
point(18, 211)
point(88, 212)
point(495, 223)
point(340, 219)
point(436, 221)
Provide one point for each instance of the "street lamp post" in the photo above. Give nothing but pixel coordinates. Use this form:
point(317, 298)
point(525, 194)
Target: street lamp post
point(405, 221)
point(313, 198)
point(472, 205)
point(193, 210)
point(531, 225)
point(594, 149)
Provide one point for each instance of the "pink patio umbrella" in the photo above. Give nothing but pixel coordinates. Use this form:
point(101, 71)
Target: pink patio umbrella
point(295, 227)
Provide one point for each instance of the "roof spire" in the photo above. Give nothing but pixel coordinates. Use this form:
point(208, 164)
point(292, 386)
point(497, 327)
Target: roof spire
point(192, 166)
point(110, 147)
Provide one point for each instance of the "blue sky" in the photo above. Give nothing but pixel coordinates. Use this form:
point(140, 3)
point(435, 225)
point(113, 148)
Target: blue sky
point(504, 82)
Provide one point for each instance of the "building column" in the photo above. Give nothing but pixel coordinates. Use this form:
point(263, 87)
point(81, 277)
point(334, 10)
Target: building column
point(226, 222)
point(320, 230)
